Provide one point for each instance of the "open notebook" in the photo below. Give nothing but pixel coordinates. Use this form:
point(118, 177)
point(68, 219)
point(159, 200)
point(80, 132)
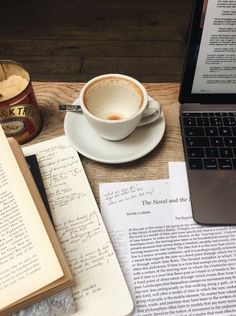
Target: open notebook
point(100, 287)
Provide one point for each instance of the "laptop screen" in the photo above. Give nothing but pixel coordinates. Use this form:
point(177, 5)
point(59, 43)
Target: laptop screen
point(209, 74)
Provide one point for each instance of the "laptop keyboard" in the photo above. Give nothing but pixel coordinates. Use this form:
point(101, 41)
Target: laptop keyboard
point(210, 140)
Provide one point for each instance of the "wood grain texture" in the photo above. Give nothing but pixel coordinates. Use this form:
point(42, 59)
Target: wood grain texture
point(70, 32)
point(90, 5)
point(117, 48)
point(73, 40)
point(133, 66)
point(152, 166)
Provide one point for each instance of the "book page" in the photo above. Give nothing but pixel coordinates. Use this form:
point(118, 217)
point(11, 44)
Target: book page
point(173, 266)
point(133, 213)
point(26, 264)
point(100, 286)
point(207, 256)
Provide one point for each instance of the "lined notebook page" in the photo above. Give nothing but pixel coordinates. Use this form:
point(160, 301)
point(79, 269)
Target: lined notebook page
point(100, 286)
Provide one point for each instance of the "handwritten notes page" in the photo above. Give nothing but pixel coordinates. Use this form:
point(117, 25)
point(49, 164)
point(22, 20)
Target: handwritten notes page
point(172, 265)
point(100, 286)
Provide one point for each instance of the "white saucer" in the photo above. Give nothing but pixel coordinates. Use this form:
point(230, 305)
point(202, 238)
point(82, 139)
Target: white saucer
point(88, 143)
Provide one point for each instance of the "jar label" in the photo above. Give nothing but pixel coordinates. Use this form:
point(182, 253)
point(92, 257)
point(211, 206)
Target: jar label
point(21, 121)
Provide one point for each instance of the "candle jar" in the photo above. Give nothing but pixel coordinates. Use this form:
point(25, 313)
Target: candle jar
point(19, 113)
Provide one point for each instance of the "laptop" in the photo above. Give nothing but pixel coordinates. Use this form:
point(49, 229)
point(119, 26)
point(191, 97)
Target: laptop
point(208, 112)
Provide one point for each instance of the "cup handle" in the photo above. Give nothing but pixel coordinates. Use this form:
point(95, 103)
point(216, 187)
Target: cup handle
point(151, 113)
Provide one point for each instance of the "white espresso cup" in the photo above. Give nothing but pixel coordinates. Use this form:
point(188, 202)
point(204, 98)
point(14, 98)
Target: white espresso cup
point(114, 105)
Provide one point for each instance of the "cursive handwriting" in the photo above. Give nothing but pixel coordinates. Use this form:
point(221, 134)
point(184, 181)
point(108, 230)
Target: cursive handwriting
point(126, 193)
point(78, 224)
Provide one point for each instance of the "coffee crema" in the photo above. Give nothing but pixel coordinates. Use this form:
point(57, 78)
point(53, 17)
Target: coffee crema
point(113, 98)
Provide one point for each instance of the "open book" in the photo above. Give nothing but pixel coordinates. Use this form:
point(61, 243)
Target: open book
point(32, 263)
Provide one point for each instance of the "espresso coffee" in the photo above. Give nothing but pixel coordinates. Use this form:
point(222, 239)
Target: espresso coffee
point(113, 98)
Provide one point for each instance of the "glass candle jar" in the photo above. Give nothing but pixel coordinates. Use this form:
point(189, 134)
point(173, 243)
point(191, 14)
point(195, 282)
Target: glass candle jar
point(19, 113)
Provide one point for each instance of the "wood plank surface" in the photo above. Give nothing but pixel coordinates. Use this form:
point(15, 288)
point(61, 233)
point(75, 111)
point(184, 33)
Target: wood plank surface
point(152, 166)
point(98, 48)
point(98, 32)
point(135, 66)
point(90, 5)
point(73, 40)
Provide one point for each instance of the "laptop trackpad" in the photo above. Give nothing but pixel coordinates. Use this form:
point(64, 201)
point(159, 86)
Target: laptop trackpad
point(213, 196)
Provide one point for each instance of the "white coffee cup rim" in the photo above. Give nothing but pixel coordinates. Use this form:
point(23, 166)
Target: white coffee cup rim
point(133, 80)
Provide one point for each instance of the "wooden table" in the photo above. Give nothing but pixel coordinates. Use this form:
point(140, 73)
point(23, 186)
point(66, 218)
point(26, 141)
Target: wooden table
point(152, 166)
